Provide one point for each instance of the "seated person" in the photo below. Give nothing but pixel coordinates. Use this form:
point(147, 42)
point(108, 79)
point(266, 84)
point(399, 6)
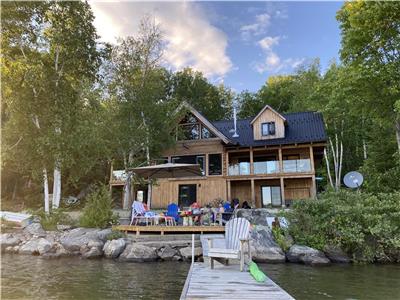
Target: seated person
point(235, 203)
point(246, 205)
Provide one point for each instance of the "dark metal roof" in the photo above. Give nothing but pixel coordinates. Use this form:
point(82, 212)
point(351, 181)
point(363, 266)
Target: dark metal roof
point(301, 127)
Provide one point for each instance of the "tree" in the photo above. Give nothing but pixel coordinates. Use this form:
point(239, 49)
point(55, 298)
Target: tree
point(50, 58)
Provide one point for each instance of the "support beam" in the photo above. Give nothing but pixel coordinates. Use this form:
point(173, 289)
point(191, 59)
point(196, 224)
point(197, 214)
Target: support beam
point(251, 161)
point(282, 192)
point(312, 160)
point(253, 194)
point(280, 160)
point(206, 165)
point(227, 163)
point(228, 187)
point(313, 191)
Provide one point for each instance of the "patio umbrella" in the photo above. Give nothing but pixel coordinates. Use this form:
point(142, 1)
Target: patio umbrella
point(169, 170)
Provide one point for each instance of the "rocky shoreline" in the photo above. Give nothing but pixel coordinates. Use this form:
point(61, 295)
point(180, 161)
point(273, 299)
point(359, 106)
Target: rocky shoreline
point(90, 243)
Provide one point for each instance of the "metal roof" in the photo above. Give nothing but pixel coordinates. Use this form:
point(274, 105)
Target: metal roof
point(301, 127)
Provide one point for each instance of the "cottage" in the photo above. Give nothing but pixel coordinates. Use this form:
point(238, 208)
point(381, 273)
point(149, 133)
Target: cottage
point(268, 160)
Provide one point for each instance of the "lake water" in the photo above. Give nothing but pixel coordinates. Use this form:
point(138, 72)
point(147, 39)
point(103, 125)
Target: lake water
point(31, 277)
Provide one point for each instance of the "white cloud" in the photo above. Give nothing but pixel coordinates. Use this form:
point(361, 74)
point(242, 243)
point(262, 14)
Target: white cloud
point(272, 62)
point(191, 40)
point(259, 27)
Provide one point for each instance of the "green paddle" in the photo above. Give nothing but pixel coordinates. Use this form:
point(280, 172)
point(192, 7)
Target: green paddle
point(258, 275)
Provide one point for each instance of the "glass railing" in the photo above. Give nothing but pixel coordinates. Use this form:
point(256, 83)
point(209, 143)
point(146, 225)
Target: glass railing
point(266, 167)
point(242, 168)
point(297, 165)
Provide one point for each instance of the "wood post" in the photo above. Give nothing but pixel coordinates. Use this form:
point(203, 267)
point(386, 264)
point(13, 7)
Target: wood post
point(227, 163)
point(206, 165)
point(312, 160)
point(228, 186)
point(282, 192)
point(251, 161)
point(253, 194)
point(313, 192)
point(280, 160)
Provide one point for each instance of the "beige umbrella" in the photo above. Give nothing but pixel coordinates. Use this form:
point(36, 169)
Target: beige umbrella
point(169, 170)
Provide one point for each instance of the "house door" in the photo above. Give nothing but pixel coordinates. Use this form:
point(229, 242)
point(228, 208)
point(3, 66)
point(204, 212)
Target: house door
point(271, 196)
point(187, 194)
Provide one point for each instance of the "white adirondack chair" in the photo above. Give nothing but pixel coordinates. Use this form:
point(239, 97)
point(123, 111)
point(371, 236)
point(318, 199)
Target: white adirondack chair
point(237, 234)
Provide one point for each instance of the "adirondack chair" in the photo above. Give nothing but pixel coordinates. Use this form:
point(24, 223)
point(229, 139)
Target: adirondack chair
point(237, 234)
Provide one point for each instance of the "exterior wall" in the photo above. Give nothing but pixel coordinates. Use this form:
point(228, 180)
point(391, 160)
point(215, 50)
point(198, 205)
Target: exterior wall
point(208, 189)
point(299, 188)
point(269, 116)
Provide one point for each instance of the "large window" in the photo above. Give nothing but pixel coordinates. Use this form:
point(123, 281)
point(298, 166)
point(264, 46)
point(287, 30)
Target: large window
point(191, 159)
point(271, 196)
point(191, 129)
point(268, 128)
point(215, 164)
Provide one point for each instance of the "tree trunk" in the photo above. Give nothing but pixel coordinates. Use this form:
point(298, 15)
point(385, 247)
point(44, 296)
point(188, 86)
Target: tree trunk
point(46, 192)
point(328, 169)
point(56, 187)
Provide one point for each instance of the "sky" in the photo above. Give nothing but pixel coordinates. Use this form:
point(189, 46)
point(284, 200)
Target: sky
point(239, 44)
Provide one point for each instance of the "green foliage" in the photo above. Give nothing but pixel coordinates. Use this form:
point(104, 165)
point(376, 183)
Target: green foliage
point(54, 218)
point(281, 236)
point(98, 209)
point(364, 225)
point(116, 234)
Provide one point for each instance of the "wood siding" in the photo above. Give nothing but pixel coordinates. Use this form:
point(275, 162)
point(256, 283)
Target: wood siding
point(298, 188)
point(210, 188)
point(269, 116)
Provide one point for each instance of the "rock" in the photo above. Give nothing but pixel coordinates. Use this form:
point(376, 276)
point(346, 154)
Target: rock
point(138, 253)
point(9, 240)
point(30, 247)
point(168, 253)
point(113, 248)
point(44, 246)
point(77, 238)
point(263, 246)
point(254, 216)
point(336, 255)
point(63, 227)
point(11, 249)
point(35, 229)
point(103, 234)
point(187, 252)
point(93, 252)
point(306, 255)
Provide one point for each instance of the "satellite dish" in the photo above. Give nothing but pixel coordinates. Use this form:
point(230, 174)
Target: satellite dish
point(353, 179)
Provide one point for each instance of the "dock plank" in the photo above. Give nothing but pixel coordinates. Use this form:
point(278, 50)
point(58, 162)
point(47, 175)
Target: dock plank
point(227, 282)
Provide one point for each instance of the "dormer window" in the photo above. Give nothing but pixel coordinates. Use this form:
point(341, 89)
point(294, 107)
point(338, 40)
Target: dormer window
point(191, 129)
point(268, 128)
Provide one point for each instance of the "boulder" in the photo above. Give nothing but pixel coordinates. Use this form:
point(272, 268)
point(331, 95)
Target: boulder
point(35, 229)
point(63, 227)
point(77, 238)
point(138, 253)
point(11, 249)
point(168, 253)
point(103, 234)
point(30, 247)
point(263, 246)
point(44, 246)
point(9, 240)
point(187, 252)
point(306, 255)
point(113, 248)
point(336, 254)
point(93, 252)
point(255, 216)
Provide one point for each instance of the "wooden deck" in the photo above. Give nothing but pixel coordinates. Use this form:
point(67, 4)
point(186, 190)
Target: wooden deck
point(227, 282)
point(171, 229)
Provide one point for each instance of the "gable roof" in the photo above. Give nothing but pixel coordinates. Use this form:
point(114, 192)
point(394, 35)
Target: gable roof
point(302, 127)
point(203, 120)
point(265, 108)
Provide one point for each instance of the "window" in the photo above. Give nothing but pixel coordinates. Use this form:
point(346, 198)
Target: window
point(191, 129)
point(191, 159)
point(206, 133)
point(214, 164)
point(271, 196)
point(187, 195)
point(268, 128)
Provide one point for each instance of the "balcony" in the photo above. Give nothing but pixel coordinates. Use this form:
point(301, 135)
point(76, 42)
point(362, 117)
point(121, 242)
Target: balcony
point(297, 165)
point(266, 167)
point(242, 168)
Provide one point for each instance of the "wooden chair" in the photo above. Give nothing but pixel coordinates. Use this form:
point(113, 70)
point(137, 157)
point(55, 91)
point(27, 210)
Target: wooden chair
point(237, 234)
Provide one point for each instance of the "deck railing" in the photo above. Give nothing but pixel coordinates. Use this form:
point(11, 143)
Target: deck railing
point(297, 165)
point(266, 167)
point(242, 168)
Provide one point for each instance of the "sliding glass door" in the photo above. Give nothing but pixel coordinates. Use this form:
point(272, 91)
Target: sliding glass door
point(271, 196)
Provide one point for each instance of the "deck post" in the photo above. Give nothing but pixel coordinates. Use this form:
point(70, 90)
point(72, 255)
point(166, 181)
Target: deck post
point(313, 192)
point(228, 186)
point(253, 194)
point(280, 160)
point(312, 160)
point(282, 192)
point(251, 161)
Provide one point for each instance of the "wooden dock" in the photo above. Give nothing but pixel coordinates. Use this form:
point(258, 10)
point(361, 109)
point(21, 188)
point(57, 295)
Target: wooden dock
point(170, 229)
point(227, 282)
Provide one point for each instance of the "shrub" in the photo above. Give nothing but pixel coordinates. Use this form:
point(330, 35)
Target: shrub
point(364, 225)
point(115, 235)
point(54, 218)
point(98, 209)
point(282, 238)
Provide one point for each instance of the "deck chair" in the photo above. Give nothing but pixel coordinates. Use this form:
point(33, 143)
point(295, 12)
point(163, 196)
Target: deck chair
point(237, 234)
point(172, 213)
